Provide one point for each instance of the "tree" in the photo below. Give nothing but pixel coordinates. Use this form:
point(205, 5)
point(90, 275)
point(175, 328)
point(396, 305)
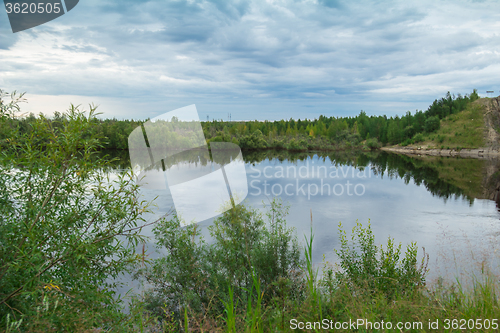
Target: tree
point(394, 131)
point(432, 124)
point(362, 124)
point(197, 274)
point(64, 230)
point(419, 121)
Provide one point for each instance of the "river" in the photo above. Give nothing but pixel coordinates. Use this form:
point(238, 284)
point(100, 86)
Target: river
point(444, 204)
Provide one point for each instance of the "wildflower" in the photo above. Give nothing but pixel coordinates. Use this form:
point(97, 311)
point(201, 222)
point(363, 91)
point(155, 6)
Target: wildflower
point(52, 286)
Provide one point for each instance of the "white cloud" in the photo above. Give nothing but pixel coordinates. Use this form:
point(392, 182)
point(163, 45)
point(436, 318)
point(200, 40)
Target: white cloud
point(278, 58)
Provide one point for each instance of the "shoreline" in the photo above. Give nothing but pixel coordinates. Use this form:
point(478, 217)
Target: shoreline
point(478, 153)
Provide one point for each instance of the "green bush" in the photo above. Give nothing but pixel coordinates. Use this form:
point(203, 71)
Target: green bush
point(406, 142)
point(377, 270)
point(198, 275)
point(278, 144)
point(217, 138)
point(432, 124)
point(254, 141)
point(65, 230)
point(295, 145)
point(419, 137)
point(373, 143)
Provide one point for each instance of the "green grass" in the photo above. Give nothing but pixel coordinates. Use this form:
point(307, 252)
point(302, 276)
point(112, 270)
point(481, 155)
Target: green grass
point(372, 284)
point(463, 130)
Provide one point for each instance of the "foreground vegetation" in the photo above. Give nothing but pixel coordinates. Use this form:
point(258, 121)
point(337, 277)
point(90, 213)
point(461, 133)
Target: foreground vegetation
point(251, 279)
point(65, 230)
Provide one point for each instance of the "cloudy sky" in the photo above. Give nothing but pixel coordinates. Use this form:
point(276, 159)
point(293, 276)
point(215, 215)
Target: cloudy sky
point(254, 59)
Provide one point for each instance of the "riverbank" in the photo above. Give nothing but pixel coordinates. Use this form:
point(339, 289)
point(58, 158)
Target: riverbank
point(472, 133)
point(371, 287)
point(480, 153)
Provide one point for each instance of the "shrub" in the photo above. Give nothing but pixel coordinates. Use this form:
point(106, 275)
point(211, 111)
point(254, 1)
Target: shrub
point(406, 142)
point(378, 270)
point(60, 223)
point(198, 275)
point(373, 143)
point(432, 124)
point(419, 137)
point(217, 138)
point(254, 141)
point(279, 144)
point(295, 145)
point(311, 145)
point(355, 138)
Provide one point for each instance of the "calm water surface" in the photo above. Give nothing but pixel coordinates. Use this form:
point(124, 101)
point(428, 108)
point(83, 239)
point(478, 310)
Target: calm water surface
point(443, 204)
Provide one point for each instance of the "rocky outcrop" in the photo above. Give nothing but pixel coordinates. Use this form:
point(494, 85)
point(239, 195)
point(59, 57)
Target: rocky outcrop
point(492, 122)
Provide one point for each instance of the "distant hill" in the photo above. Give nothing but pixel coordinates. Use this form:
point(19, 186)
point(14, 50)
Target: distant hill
point(473, 132)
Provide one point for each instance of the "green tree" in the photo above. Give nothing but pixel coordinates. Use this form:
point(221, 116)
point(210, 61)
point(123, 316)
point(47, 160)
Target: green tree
point(394, 131)
point(246, 246)
point(64, 230)
point(419, 121)
point(432, 124)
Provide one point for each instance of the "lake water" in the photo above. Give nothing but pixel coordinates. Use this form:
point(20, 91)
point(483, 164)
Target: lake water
point(443, 204)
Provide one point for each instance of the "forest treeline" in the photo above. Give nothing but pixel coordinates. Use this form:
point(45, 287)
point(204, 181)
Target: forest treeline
point(324, 133)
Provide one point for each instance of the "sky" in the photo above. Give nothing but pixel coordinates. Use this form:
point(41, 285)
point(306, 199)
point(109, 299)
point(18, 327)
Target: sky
point(253, 59)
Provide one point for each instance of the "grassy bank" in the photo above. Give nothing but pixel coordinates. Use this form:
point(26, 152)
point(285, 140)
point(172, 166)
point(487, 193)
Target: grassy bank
point(255, 278)
point(457, 131)
point(370, 285)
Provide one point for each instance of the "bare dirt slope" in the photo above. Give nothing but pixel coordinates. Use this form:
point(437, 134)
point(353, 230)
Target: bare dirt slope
point(491, 122)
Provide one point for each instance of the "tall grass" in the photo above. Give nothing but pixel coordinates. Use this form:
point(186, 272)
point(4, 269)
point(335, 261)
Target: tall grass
point(311, 275)
point(254, 310)
point(370, 283)
point(229, 309)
